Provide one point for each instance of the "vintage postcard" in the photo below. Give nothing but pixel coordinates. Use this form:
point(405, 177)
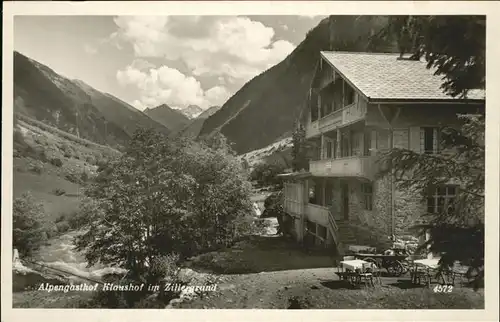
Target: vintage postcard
point(333, 160)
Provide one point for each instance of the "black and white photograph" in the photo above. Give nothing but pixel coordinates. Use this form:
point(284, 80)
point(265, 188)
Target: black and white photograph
point(250, 161)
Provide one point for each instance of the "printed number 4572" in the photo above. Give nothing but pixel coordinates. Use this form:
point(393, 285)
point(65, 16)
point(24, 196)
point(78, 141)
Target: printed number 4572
point(443, 289)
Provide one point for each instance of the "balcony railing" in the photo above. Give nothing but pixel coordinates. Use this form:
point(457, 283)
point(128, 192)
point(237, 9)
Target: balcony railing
point(324, 217)
point(361, 167)
point(330, 121)
point(349, 114)
point(312, 129)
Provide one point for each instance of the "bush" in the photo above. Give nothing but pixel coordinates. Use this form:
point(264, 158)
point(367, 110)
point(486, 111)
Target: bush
point(73, 177)
point(102, 164)
point(19, 142)
point(61, 218)
point(88, 211)
point(62, 227)
point(90, 160)
point(84, 177)
point(164, 269)
point(56, 162)
point(28, 229)
point(36, 169)
point(51, 232)
point(273, 205)
point(59, 192)
point(39, 154)
point(266, 174)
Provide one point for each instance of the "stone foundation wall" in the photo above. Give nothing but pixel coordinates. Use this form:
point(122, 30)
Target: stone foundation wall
point(408, 210)
point(370, 227)
point(374, 227)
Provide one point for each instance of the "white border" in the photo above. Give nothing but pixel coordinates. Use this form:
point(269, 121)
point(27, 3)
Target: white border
point(491, 9)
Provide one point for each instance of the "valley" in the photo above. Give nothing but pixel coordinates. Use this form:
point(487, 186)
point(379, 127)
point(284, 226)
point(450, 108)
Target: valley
point(238, 194)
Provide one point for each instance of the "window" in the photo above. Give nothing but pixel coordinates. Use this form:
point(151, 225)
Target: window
point(348, 95)
point(441, 198)
point(367, 143)
point(325, 107)
point(367, 189)
point(312, 194)
point(314, 107)
point(311, 227)
point(329, 149)
point(345, 145)
point(429, 141)
point(322, 231)
point(356, 144)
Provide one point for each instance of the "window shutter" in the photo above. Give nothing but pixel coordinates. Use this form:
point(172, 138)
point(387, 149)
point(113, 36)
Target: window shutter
point(435, 142)
point(400, 138)
point(374, 145)
point(416, 138)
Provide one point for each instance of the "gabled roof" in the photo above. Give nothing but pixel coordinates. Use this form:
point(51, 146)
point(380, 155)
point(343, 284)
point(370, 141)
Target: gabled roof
point(382, 76)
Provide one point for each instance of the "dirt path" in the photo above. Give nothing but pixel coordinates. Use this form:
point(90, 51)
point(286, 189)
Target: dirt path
point(269, 272)
point(266, 290)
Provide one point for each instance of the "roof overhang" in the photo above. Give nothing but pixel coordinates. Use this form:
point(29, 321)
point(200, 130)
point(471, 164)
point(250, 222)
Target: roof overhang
point(323, 57)
point(426, 101)
point(295, 175)
point(398, 100)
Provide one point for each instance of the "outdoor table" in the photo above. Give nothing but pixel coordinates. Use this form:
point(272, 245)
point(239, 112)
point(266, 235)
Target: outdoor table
point(396, 265)
point(354, 270)
point(353, 264)
point(429, 264)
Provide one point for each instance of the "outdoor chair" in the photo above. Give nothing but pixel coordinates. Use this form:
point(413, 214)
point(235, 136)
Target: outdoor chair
point(459, 272)
point(417, 273)
point(425, 275)
point(347, 275)
point(369, 274)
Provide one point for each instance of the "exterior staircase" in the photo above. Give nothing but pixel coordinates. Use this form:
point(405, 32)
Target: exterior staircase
point(345, 233)
point(341, 233)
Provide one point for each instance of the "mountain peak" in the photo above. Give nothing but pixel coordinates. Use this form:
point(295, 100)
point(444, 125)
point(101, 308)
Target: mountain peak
point(164, 106)
point(169, 117)
point(192, 111)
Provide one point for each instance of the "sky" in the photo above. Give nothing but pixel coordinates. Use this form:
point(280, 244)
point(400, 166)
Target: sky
point(152, 60)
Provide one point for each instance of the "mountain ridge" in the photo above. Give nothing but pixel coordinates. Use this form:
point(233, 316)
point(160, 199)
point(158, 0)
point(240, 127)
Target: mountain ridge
point(267, 107)
point(192, 129)
point(171, 118)
point(74, 106)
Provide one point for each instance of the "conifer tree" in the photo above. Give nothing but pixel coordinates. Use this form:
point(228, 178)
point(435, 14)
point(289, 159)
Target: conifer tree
point(455, 47)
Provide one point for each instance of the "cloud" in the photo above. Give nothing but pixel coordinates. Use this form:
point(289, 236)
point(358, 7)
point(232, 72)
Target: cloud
point(310, 16)
point(89, 49)
point(236, 48)
point(168, 85)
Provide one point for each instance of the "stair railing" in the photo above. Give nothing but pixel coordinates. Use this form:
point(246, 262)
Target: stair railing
point(334, 229)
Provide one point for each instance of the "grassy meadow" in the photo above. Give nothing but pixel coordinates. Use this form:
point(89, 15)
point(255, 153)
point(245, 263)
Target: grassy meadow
point(53, 166)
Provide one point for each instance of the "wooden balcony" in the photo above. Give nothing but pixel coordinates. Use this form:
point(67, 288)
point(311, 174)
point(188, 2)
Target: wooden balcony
point(347, 115)
point(360, 167)
point(330, 121)
point(323, 216)
point(318, 214)
point(312, 129)
point(354, 112)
